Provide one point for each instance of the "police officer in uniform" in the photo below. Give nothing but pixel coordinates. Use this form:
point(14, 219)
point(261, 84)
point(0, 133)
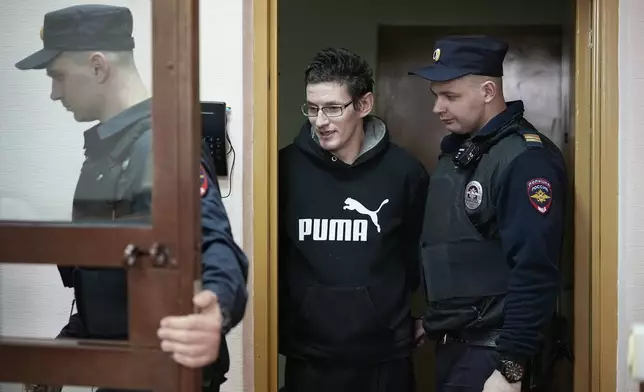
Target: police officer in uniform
point(88, 55)
point(493, 226)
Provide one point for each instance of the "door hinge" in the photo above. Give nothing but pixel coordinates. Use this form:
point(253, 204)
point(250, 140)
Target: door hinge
point(590, 39)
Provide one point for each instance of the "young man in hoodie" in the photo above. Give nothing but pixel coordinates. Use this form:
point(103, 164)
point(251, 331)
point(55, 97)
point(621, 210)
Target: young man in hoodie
point(351, 208)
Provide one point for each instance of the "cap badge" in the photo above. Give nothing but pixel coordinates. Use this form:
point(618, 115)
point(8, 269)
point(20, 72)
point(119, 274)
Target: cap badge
point(437, 55)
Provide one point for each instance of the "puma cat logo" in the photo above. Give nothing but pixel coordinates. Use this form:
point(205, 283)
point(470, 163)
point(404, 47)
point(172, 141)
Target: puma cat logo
point(340, 229)
point(354, 205)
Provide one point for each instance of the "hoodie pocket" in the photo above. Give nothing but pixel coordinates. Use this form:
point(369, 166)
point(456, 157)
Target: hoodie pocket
point(341, 314)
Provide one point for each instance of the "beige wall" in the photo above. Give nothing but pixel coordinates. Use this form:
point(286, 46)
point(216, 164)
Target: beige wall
point(631, 180)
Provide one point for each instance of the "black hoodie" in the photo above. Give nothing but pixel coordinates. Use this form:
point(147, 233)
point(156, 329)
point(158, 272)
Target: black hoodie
point(348, 255)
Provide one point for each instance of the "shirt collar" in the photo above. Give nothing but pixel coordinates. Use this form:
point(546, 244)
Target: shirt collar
point(514, 109)
point(119, 122)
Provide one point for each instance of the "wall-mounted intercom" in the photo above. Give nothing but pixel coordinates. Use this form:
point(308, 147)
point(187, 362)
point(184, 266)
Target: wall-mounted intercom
point(213, 122)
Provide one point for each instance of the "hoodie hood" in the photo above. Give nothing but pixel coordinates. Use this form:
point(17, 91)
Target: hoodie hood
point(375, 142)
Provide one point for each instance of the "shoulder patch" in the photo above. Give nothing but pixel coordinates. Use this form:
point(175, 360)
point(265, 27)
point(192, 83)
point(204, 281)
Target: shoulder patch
point(203, 187)
point(532, 139)
point(540, 194)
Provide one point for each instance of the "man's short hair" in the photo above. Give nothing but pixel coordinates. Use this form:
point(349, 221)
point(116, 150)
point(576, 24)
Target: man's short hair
point(342, 66)
point(121, 58)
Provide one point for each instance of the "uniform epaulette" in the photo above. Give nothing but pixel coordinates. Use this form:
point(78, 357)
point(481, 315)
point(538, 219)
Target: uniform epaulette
point(532, 139)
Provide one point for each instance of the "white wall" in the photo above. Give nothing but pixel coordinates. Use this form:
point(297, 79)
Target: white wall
point(41, 150)
point(221, 76)
point(631, 181)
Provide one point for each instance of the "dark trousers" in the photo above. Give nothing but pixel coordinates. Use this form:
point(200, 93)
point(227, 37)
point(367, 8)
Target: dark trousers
point(216, 373)
point(212, 388)
point(330, 376)
point(463, 368)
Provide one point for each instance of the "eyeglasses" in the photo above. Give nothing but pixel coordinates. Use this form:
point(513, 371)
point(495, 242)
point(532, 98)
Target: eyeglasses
point(329, 111)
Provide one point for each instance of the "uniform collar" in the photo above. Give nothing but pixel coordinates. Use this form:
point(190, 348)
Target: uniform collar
point(514, 109)
point(119, 122)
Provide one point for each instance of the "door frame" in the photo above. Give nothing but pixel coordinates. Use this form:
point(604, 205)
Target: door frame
point(595, 177)
point(137, 363)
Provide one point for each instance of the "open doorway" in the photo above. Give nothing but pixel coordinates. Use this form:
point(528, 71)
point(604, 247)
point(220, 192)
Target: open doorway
point(297, 30)
point(537, 70)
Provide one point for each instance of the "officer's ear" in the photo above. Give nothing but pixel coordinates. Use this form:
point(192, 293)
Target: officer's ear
point(490, 90)
point(100, 66)
point(364, 104)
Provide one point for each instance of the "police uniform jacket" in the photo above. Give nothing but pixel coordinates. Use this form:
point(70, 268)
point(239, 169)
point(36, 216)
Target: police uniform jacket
point(115, 183)
point(493, 233)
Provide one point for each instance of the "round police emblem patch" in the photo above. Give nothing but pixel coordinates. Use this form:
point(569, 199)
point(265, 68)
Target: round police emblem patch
point(473, 195)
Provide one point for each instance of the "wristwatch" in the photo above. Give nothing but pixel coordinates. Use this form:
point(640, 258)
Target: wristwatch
point(512, 371)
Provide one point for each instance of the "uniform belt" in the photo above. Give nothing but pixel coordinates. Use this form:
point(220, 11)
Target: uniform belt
point(485, 339)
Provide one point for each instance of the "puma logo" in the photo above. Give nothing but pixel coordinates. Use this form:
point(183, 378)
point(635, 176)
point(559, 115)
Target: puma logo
point(354, 205)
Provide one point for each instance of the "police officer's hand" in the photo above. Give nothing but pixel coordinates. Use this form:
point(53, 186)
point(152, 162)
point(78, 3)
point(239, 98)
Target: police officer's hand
point(194, 340)
point(498, 383)
point(419, 332)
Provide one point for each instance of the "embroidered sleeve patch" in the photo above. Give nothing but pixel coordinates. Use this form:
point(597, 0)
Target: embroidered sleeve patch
point(540, 194)
point(203, 181)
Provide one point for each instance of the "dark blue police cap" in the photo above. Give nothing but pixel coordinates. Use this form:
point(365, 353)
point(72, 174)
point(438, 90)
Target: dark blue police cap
point(455, 57)
point(80, 28)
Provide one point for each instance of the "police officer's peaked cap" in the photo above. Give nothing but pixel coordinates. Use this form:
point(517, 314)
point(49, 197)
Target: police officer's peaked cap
point(80, 28)
point(454, 57)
